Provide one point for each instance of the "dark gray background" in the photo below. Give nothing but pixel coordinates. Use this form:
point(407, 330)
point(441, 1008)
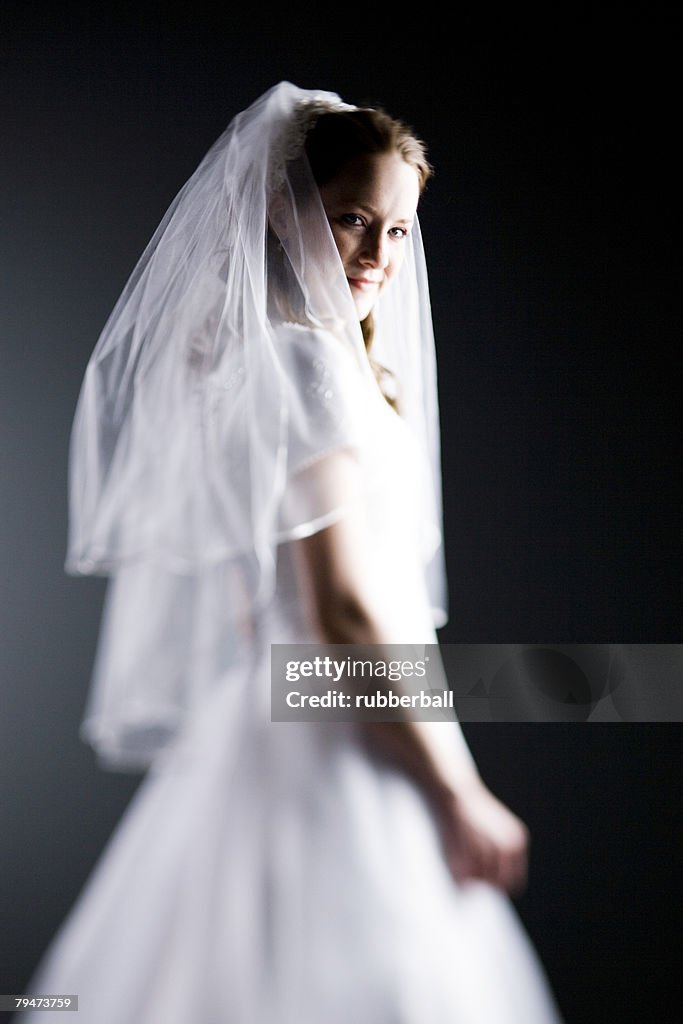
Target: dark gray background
point(552, 232)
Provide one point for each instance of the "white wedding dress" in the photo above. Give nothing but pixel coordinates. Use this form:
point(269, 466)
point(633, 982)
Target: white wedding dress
point(272, 873)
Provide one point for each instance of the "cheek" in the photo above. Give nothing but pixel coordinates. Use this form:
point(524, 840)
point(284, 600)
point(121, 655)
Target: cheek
point(395, 262)
point(342, 243)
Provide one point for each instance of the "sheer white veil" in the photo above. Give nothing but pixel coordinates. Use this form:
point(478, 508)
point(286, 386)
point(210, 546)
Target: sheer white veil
point(183, 431)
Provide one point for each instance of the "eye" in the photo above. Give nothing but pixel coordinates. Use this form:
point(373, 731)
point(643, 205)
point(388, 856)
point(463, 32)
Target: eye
point(352, 220)
point(399, 233)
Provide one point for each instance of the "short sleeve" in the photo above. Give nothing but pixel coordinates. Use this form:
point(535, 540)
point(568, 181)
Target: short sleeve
point(324, 431)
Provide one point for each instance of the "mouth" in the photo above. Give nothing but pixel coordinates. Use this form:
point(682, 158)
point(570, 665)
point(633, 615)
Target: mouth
point(363, 283)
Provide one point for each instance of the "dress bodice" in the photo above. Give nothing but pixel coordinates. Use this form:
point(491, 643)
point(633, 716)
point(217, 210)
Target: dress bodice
point(387, 495)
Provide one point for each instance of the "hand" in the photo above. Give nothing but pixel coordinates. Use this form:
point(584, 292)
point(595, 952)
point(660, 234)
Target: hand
point(482, 838)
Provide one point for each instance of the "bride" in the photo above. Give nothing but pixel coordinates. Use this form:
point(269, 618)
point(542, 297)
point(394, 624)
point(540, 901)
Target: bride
point(255, 461)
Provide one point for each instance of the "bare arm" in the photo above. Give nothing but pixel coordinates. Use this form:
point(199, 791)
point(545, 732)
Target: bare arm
point(481, 837)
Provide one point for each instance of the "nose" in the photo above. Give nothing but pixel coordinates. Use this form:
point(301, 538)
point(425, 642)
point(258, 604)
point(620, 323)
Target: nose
point(375, 251)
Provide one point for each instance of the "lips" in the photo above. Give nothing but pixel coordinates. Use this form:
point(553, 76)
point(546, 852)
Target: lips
point(364, 283)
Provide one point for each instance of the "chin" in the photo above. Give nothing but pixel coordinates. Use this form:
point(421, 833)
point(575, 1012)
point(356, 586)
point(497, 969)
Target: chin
point(364, 309)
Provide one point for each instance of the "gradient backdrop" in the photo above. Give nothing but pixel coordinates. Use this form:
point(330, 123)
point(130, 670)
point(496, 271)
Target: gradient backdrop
point(553, 238)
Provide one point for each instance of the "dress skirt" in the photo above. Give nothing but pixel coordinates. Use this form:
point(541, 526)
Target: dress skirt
point(273, 873)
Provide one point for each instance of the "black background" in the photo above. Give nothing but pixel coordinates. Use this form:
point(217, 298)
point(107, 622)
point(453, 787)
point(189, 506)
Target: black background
point(552, 229)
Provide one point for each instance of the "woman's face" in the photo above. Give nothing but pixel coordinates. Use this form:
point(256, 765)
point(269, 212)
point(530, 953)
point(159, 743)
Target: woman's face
point(371, 207)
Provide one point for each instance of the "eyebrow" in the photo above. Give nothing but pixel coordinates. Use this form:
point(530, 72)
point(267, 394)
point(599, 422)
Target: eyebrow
point(370, 209)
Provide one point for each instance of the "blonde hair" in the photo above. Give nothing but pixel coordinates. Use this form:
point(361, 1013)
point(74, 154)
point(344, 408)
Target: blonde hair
point(339, 136)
